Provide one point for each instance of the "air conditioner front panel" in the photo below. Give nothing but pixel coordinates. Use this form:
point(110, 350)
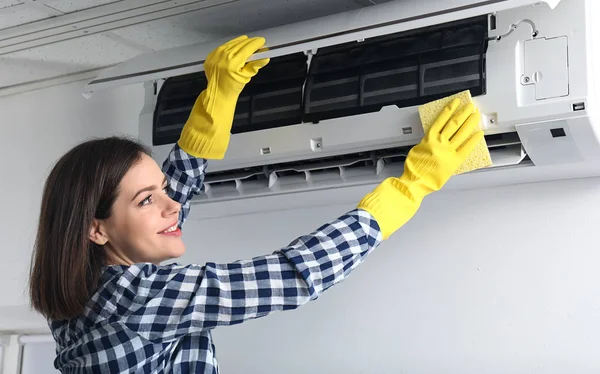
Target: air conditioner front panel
point(506, 104)
point(341, 28)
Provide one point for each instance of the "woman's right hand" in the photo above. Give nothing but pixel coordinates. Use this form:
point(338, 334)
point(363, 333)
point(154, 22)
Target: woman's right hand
point(428, 166)
point(445, 147)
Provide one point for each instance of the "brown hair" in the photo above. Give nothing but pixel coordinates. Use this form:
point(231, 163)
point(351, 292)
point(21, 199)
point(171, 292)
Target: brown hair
point(83, 185)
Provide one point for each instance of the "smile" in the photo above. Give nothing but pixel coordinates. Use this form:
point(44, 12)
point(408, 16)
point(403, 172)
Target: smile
point(169, 229)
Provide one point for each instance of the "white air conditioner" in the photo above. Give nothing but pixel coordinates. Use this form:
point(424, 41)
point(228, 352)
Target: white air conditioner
point(337, 104)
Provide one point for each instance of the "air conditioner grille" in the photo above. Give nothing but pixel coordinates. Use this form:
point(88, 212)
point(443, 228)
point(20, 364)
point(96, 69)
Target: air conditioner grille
point(272, 99)
point(335, 171)
point(402, 69)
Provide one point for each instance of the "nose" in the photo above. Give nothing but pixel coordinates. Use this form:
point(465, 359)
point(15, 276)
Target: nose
point(170, 207)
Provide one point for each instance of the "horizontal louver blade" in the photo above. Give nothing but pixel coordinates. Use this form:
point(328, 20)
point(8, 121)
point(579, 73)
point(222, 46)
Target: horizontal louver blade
point(337, 171)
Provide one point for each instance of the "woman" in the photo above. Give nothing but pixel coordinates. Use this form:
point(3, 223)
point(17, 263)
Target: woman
point(110, 216)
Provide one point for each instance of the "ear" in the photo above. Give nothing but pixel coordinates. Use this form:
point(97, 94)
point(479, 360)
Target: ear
point(97, 233)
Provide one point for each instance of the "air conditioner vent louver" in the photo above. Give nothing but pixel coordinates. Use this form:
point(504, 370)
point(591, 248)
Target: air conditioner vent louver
point(335, 171)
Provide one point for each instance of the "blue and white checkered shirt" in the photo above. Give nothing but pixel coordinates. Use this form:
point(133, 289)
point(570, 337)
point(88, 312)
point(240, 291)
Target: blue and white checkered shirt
point(146, 318)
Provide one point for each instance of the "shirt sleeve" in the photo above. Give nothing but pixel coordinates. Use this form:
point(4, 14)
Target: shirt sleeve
point(162, 303)
point(185, 178)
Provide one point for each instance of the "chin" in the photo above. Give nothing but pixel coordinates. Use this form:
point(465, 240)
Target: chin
point(177, 251)
point(171, 256)
point(171, 249)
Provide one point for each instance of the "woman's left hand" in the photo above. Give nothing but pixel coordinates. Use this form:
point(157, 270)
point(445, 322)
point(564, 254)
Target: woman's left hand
point(207, 131)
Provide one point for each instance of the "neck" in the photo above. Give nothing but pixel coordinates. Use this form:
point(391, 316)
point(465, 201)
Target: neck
point(116, 257)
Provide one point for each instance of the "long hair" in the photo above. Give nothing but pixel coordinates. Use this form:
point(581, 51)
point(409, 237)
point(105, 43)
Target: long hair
point(66, 265)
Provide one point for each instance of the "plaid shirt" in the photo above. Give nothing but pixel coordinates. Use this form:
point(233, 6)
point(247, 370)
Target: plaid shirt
point(158, 319)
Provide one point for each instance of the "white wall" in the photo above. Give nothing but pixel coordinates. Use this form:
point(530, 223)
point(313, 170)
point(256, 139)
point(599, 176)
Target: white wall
point(36, 129)
point(477, 282)
point(38, 358)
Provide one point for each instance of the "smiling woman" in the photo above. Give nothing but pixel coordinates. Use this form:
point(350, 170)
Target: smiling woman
point(143, 223)
point(110, 216)
point(77, 218)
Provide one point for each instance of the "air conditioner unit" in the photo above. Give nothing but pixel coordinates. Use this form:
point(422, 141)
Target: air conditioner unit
point(337, 104)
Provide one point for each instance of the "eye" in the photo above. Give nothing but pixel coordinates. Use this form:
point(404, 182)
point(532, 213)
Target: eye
point(165, 189)
point(146, 201)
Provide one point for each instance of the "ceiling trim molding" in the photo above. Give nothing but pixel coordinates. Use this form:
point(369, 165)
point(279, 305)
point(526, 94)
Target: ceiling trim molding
point(50, 82)
point(96, 21)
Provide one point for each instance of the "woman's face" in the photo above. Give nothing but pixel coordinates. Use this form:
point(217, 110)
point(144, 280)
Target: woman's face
point(143, 223)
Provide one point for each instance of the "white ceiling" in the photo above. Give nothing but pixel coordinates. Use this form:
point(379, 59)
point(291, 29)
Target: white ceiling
point(46, 39)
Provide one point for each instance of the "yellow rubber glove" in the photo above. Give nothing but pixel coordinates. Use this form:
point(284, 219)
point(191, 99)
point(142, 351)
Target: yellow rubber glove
point(207, 131)
point(427, 168)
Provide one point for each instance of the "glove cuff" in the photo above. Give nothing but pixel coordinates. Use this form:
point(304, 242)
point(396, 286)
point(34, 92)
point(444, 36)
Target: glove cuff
point(392, 203)
point(200, 144)
point(207, 131)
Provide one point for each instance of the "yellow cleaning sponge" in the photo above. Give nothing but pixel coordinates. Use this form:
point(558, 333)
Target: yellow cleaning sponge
point(480, 157)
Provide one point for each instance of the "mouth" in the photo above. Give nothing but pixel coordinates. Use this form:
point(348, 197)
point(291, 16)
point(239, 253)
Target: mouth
point(171, 230)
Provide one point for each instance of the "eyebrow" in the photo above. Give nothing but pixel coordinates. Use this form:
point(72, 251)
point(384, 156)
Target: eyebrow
point(149, 188)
